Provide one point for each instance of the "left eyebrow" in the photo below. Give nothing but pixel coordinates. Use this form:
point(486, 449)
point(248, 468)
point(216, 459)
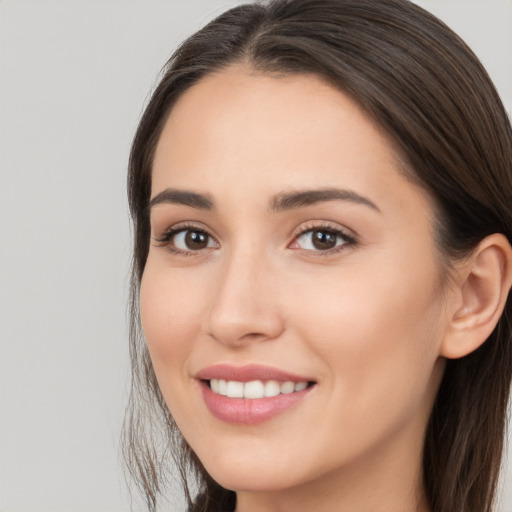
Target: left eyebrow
point(183, 197)
point(300, 199)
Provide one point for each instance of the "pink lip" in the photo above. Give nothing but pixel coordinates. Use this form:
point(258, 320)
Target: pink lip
point(245, 411)
point(247, 373)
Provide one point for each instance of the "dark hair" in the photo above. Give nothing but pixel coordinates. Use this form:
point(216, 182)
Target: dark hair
point(420, 83)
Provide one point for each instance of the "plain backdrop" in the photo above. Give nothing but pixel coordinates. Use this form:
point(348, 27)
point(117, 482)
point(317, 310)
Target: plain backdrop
point(74, 76)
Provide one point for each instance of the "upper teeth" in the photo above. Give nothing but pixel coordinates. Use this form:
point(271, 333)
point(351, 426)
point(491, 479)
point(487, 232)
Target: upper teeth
point(255, 388)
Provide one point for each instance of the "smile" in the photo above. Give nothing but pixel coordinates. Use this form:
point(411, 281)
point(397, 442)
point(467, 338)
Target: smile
point(255, 389)
point(251, 394)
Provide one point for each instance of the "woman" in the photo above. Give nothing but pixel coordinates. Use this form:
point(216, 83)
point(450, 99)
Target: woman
point(320, 192)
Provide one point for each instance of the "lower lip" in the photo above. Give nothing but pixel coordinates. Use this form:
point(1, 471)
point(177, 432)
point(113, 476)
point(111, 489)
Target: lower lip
point(249, 411)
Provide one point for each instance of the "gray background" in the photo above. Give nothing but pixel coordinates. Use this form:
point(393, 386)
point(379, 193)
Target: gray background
point(74, 76)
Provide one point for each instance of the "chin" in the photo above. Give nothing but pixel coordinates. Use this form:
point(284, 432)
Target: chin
point(259, 480)
point(250, 475)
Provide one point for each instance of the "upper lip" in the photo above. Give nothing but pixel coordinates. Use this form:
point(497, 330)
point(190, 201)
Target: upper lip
point(248, 373)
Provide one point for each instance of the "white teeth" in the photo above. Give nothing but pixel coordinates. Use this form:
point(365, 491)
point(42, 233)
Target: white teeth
point(300, 386)
point(287, 387)
point(272, 388)
point(223, 387)
point(255, 388)
point(235, 389)
point(214, 383)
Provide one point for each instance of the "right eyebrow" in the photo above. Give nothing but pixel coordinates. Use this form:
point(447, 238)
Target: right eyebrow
point(183, 197)
point(302, 198)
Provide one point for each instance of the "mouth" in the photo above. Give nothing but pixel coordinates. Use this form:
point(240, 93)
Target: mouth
point(247, 395)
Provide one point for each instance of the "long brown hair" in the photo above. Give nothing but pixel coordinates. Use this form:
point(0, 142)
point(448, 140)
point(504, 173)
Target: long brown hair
point(429, 92)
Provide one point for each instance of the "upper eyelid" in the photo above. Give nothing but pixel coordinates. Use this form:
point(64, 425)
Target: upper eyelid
point(183, 226)
point(349, 238)
point(302, 228)
point(326, 225)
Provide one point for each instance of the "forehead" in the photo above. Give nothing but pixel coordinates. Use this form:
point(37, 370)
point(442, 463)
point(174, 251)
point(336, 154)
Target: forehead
point(243, 130)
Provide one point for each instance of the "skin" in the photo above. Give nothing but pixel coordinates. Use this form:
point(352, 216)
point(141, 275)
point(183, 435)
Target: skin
point(366, 320)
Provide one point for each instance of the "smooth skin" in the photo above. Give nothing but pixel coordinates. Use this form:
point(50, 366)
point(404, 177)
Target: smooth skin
point(366, 311)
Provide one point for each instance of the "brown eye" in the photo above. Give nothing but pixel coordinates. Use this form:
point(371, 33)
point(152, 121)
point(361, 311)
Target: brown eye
point(196, 240)
point(321, 240)
point(192, 240)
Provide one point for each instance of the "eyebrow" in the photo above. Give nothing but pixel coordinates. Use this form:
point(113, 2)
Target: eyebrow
point(280, 202)
point(291, 200)
point(184, 197)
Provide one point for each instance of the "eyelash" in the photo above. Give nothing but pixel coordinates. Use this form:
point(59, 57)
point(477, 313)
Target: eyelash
point(348, 240)
point(166, 237)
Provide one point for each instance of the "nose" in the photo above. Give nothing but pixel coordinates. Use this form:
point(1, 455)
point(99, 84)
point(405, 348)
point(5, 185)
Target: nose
point(244, 305)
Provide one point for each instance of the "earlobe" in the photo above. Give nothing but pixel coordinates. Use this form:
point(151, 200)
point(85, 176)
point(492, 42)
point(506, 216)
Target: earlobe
point(483, 284)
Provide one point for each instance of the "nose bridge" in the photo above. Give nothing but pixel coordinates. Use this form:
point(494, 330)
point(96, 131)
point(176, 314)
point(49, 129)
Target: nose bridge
point(243, 305)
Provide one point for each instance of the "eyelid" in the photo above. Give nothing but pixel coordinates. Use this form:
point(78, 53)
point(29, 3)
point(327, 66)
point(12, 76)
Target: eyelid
point(346, 234)
point(323, 224)
point(349, 237)
point(179, 226)
point(165, 237)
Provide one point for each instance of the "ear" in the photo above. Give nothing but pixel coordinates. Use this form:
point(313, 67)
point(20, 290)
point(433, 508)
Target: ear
point(483, 282)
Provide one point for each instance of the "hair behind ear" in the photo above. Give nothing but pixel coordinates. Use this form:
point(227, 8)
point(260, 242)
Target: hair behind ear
point(466, 428)
point(467, 425)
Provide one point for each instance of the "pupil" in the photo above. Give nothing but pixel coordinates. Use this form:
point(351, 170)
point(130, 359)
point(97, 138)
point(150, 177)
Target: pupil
point(196, 240)
point(324, 240)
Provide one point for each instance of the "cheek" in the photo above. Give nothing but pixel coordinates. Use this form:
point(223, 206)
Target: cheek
point(171, 308)
point(379, 331)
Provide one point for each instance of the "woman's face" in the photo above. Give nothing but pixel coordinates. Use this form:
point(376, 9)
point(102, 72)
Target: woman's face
point(287, 250)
